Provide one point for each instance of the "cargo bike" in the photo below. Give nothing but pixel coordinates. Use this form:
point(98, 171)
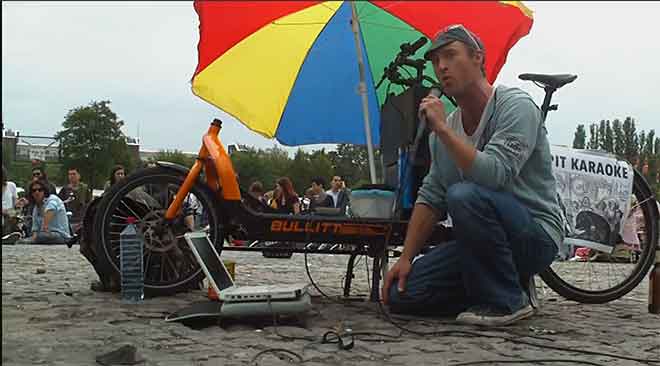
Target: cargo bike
point(162, 199)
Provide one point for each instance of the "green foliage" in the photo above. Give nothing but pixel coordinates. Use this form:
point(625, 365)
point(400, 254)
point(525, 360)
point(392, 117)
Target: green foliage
point(579, 139)
point(306, 166)
point(608, 137)
point(619, 147)
point(8, 160)
point(174, 156)
point(268, 165)
point(641, 149)
point(92, 141)
point(630, 139)
point(351, 162)
point(594, 142)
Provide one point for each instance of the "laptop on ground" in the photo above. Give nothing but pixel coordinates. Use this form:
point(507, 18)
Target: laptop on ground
point(223, 284)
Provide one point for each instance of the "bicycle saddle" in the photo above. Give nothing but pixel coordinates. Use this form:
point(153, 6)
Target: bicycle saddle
point(553, 81)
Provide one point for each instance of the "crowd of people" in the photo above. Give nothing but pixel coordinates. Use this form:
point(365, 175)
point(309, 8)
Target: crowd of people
point(50, 216)
point(283, 198)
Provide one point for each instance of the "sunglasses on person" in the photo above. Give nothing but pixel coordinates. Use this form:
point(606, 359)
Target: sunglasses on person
point(36, 174)
point(37, 190)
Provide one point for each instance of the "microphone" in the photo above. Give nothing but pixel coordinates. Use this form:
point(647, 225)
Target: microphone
point(412, 48)
point(436, 92)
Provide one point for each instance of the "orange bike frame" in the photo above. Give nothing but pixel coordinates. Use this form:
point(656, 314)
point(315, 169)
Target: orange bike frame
point(218, 168)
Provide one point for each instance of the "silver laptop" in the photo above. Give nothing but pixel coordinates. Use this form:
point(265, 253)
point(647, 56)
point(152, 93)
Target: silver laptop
point(222, 283)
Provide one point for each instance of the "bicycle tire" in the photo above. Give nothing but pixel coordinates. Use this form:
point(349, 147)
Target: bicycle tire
point(108, 252)
point(649, 208)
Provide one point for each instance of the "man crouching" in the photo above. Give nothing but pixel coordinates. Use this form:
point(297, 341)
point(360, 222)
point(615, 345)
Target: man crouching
point(491, 172)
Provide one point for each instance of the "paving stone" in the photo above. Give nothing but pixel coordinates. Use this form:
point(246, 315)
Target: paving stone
point(53, 318)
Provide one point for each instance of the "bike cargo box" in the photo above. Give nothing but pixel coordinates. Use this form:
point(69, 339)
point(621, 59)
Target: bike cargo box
point(374, 201)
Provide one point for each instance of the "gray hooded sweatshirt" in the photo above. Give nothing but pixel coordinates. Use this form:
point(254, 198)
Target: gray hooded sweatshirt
point(513, 155)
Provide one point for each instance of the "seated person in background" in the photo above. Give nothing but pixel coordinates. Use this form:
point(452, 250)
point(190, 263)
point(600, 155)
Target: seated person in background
point(256, 190)
point(339, 193)
point(9, 200)
point(116, 174)
point(27, 205)
point(285, 200)
point(318, 196)
point(76, 195)
point(49, 222)
point(40, 173)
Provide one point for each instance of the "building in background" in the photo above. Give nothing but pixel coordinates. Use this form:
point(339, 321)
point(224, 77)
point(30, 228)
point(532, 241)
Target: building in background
point(44, 148)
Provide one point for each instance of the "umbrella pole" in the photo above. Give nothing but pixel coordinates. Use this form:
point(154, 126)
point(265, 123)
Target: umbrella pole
point(362, 88)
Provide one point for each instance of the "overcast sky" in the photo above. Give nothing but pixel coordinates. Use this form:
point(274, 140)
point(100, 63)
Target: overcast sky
point(141, 56)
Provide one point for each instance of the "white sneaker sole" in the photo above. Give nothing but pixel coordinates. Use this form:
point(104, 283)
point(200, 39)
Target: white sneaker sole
point(494, 321)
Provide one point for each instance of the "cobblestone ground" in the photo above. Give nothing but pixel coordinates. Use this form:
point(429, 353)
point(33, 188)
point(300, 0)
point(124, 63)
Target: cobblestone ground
point(53, 318)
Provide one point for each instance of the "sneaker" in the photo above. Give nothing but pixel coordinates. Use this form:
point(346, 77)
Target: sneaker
point(488, 317)
point(11, 238)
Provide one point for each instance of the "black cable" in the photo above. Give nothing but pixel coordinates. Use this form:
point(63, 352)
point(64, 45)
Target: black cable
point(311, 280)
point(513, 340)
point(477, 334)
point(277, 350)
point(283, 336)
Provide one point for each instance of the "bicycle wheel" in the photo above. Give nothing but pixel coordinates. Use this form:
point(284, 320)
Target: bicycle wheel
point(169, 264)
point(602, 277)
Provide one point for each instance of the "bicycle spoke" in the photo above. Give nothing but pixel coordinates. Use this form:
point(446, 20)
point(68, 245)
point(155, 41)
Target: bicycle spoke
point(130, 209)
point(146, 263)
point(162, 266)
point(121, 211)
point(171, 264)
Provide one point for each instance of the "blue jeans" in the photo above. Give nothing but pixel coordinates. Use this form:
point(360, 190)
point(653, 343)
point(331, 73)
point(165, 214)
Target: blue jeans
point(497, 243)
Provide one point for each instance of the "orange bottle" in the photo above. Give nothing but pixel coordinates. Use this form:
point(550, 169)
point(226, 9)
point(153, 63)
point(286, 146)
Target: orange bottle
point(654, 286)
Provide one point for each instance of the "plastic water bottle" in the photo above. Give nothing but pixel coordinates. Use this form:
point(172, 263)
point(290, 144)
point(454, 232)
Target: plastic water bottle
point(130, 258)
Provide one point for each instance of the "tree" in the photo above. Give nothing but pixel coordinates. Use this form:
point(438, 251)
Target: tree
point(174, 156)
point(608, 138)
point(92, 141)
point(649, 145)
point(630, 139)
point(601, 135)
point(619, 144)
point(351, 162)
point(306, 166)
point(580, 137)
point(594, 142)
point(265, 166)
point(642, 141)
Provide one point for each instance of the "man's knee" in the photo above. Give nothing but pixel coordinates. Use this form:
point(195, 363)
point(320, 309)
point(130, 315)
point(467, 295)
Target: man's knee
point(463, 195)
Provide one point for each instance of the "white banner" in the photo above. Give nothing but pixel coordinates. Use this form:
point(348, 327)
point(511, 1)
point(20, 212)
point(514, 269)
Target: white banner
point(594, 191)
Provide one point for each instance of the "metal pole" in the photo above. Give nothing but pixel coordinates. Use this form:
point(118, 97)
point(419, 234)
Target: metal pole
point(362, 89)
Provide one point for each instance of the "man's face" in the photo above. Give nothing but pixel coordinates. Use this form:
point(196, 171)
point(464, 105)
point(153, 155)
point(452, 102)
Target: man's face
point(36, 174)
point(336, 183)
point(456, 67)
point(37, 193)
point(316, 188)
point(74, 177)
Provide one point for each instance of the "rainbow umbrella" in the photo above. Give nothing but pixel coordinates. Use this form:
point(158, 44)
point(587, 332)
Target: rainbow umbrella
point(292, 70)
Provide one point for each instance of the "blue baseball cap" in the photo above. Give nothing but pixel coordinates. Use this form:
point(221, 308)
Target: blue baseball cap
point(455, 32)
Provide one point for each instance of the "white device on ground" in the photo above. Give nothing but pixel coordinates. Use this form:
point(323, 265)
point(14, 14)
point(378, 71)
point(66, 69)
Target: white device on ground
point(245, 300)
